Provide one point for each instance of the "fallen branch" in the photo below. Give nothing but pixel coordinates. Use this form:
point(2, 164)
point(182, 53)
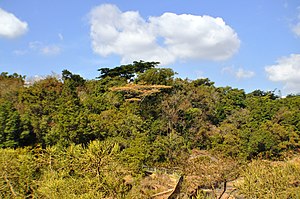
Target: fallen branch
point(162, 193)
point(177, 188)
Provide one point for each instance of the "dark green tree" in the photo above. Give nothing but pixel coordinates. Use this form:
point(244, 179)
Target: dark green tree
point(127, 71)
point(74, 79)
point(10, 126)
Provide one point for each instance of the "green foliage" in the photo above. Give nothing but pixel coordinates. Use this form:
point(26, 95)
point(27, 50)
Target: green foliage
point(10, 126)
point(97, 96)
point(86, 136)
point(202, 82)
point(158, 76)
point(230, 100)
point(77, 111)
point(113, 123)
point(75, 80)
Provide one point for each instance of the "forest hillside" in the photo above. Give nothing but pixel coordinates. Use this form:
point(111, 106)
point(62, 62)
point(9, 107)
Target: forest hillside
point(137, 131)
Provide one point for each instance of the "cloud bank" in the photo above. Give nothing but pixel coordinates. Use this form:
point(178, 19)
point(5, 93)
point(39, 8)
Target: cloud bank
point(244, 74)
point(44, 49)
point(239, 73)
point(287, 71)
point(166, 38)
point(10, 26)
point(40, 48)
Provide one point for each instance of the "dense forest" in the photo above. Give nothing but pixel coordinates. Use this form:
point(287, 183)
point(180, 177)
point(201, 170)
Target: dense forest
point(69, 137)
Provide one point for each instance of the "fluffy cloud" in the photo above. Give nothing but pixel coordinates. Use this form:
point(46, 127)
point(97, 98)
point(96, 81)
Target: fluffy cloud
point(239, 73)
point(286, 70)
point(11, 26)
point(165, 38)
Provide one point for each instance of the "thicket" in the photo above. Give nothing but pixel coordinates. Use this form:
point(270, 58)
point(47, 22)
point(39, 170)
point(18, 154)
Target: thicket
point(142, 116)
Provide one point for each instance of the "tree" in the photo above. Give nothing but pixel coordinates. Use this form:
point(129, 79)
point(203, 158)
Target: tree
point(10, 126)
point(76, 80)
point(70, 121)
point(260, 93)
point(127, 71)
point(38, 103)
point(159, 76)
point(202, 82)
point(10, 85)
point(230, 100)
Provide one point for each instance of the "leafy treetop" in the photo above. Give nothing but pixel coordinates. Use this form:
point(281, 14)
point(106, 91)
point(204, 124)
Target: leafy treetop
point(76, 80)
point(5, 75)
point(127, 71)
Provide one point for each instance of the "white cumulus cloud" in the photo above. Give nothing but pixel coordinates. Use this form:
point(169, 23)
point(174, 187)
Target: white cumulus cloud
point(287, 71)
point(11, 26)
point(164, 38)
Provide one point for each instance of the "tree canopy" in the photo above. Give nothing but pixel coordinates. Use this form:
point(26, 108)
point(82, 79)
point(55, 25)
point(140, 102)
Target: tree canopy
point(80, 137)
point(127, 71)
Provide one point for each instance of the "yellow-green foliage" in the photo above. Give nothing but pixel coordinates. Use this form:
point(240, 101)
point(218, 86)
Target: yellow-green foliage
point(266, 179)
point(18, 171)
point(73, 172)
point(98, 172)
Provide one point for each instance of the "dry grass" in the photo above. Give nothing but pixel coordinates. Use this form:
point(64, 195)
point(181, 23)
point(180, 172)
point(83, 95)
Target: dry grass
point(267, 179)
point(157, 185)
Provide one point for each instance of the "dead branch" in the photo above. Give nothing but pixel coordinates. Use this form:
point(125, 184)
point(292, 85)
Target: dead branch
point(224, 189)
point(162, 193)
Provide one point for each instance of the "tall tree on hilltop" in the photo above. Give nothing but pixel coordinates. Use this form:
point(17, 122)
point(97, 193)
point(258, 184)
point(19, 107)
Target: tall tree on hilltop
point(127, 71)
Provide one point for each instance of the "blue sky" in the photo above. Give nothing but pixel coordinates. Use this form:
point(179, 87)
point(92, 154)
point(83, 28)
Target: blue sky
point(244, 44)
